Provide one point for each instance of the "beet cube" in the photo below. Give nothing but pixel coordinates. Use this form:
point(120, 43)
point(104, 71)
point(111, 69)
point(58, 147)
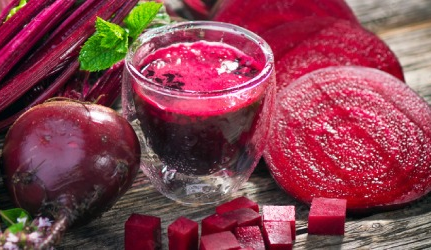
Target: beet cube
point(216, 223)
point(280, 213)
point(183, 234)
point(219, 241)
point(250, 237)
point(277, 235)
point(244, 217)
point(142, 232)
point(240, 202)
point(327, 216)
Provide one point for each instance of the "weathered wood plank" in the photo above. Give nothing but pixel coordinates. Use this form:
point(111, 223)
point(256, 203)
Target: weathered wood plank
point(389, 14)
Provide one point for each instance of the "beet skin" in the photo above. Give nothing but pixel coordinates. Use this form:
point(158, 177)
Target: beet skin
point(70, 159)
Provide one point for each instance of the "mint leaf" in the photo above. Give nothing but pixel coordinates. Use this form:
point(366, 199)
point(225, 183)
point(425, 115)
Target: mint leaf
point(16, 228)
point(106, 47)
point(95, 57)
point(11, 216)
point(110, 42)
point(14, 10)
point(112, 36)
point(140, 17)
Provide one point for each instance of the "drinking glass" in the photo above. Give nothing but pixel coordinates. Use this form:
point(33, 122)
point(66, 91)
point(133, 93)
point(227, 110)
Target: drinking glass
point(200, 95)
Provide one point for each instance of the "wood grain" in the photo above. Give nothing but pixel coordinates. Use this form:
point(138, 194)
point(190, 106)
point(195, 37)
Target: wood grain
point(406, 27)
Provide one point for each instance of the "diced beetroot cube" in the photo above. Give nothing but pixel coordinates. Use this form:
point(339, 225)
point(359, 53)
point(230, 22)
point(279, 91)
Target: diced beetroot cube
point(250, 237)
point(142, 232)
point(240, 202)
point(327, 216)
point(183, 234)
point(277, 235)
point(216, 223)
point(219, 241)
point(280, 213)
point(244, 217)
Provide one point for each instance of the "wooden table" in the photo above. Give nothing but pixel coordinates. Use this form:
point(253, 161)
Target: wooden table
point(406, 27)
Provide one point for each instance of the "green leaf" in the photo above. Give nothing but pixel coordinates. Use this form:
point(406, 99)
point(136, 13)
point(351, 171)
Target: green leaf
point(112, 36)
point(140, 17)
point(11, 216)
point(14, 10)
point(95, 57)
point(16, 228)
point(106, 47)
point(110, 42)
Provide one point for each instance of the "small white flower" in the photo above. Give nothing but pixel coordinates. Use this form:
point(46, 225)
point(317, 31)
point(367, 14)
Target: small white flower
point(12, 238)
point(10, 246)
point(44, 222)
point(22, 220)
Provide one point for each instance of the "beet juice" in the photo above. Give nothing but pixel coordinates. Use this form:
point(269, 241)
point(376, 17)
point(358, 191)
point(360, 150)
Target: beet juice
point(203, 119)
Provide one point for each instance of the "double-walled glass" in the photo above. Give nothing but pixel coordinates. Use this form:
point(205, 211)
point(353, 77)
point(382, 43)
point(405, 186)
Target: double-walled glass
point(200, 95)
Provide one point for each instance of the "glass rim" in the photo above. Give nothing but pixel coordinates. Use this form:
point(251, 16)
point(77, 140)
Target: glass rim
point(266, 71)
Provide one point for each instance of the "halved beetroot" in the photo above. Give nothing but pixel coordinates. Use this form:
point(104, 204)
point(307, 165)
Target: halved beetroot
point(339, 43)
point(354, 133)
point(260, 15)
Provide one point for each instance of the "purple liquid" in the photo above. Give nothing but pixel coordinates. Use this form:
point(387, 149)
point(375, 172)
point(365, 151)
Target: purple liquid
point(204, 138)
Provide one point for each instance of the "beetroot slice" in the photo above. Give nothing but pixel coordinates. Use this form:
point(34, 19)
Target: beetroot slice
point(340, 43)
point(260, 15)
point(287, 35)
point(351, 132)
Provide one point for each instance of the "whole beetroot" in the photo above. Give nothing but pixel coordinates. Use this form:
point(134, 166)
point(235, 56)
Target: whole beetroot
point(70, 161)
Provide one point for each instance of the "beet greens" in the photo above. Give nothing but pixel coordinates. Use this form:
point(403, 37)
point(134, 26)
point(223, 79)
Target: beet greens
point(39, 48)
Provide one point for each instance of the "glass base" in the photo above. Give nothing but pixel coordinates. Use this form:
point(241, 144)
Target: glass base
point(192, 190)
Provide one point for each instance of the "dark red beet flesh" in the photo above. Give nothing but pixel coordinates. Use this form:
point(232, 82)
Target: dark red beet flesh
point(183, 234)
point(339, 43)
point(69, 158)
point(143, 232)
point(327, 216)
point(260, 15)
point(354, 133)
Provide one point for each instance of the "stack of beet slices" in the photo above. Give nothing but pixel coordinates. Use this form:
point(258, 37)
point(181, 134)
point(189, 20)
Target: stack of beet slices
point(351, 132)
point(346, 125)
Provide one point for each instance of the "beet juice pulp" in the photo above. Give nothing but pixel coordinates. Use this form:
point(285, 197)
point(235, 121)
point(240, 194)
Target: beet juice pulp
point(203, 108)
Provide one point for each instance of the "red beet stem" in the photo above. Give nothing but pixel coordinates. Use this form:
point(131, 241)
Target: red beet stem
point(5, 12)
point(50, 92)
point(16, 49)
point(13, 25)
point(108, 87)
point(53, 58)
